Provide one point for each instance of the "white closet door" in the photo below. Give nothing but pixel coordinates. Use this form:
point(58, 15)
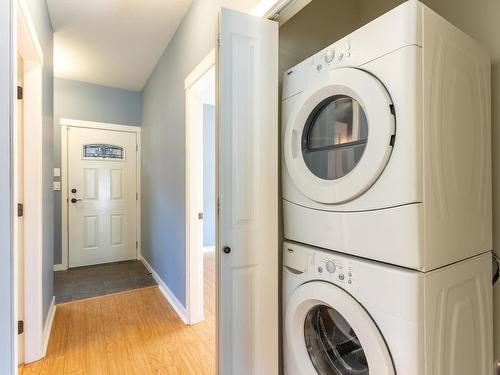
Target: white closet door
point(248, 195)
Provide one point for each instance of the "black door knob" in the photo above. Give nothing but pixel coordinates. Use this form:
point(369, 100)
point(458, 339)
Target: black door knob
point(226, 249)
point(73, 200)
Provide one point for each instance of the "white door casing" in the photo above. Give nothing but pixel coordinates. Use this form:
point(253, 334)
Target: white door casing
point(20, 200)
point(248, 195)
point(102, 222)
point(197, 86)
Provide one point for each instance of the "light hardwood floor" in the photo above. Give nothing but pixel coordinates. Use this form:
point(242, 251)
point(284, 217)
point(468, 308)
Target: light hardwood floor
point(135, 332)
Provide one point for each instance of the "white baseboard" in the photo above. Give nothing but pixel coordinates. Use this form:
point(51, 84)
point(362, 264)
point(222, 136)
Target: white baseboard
point(209, 249)
point(60, 267)
point(171, 298)
point(48, 325)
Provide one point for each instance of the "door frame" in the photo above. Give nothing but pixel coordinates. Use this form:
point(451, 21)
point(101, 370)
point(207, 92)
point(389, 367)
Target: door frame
point(194, 258)
point(35, 331)
point(71, 123)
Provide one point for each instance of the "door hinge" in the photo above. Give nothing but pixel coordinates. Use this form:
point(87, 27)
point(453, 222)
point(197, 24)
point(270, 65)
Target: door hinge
point(136, 245)
point(19, 92)
point(20, 327)
point(20, 209)
point(218, 40)
point(136, 196)
point(136, 147)
point(218, 206)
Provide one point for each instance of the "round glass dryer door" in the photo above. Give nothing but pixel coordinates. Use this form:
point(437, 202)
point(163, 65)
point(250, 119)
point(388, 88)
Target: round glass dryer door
point(339, 138)
point(334, 137)
point(327, 332)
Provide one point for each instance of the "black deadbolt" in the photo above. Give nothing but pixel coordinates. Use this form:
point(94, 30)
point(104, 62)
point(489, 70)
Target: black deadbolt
point(73, 191)
point(226, 249)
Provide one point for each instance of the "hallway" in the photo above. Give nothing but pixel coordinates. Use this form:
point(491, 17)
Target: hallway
point(134, 332)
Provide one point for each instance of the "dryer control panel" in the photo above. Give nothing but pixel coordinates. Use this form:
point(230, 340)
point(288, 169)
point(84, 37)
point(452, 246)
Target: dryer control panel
point(337, 54)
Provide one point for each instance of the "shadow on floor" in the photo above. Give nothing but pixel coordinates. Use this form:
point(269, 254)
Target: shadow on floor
point(92, 281)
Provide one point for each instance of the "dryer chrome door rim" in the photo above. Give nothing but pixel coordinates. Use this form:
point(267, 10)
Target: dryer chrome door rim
point(375, 103)
point(308, 297)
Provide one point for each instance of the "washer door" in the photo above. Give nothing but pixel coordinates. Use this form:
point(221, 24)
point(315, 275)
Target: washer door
point(328, 332)
point(338, 140)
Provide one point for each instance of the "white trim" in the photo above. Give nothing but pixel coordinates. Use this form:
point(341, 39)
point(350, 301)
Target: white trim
point(208, 249)
point(28, 43)
point(194, 258)
point(28, 47)
point(279, 10)
point(204, 66)
point(100, 125)
point(64, 197)
point(47, 329)
point(170, 297)
point(71, 123)
point(139, 195)
point(60, 267)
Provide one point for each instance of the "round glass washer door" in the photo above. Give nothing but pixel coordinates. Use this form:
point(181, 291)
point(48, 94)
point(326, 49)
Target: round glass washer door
point(328, 332)
point(338, 140)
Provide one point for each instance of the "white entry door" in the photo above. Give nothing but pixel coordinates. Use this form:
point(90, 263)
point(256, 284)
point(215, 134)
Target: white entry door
point(102, 196)
point(248, 246)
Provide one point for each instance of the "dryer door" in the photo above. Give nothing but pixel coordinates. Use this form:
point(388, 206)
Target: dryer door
point(328, 332)
point(339, 138)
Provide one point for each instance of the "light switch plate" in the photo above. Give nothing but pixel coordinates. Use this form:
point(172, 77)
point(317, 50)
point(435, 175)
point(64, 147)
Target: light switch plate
point(57, 172)
point(57, 185)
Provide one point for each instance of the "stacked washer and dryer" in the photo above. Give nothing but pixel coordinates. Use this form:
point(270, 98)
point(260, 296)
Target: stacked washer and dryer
point(387, 202)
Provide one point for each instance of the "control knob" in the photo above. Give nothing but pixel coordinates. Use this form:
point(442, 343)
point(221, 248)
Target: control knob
point(330, 266)
point(329, 56)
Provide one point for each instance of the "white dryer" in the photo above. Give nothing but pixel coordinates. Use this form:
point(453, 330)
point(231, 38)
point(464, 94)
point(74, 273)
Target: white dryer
point(348, 316)
point(386, 143)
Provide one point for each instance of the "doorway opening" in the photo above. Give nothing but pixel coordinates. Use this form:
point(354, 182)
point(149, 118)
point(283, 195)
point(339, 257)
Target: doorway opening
point(201, 194)
point(100, 203)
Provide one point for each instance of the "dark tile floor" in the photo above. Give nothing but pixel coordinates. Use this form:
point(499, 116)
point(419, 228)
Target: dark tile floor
point(91, 281)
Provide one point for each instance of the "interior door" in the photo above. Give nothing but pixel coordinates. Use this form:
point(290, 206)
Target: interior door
point(248, 195)
point(102, 196)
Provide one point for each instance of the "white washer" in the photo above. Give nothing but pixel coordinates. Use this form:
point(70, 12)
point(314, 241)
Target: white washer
point(345, 316)
point(386, 143)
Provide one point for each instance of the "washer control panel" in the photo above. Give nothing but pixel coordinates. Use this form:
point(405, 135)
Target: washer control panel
point(332, 268)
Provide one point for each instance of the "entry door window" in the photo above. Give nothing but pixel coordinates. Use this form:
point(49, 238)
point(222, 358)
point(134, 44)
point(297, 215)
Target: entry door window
point(334, 137)
point(332, 344)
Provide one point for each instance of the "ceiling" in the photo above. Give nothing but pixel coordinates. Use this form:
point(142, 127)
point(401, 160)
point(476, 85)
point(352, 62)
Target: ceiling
point(113, 43)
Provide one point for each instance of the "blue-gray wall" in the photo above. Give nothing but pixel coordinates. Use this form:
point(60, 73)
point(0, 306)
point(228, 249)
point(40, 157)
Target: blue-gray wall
point(208, 175)
point(163, 146)
point(6, 269)
point(86, 101)
point(43, 26)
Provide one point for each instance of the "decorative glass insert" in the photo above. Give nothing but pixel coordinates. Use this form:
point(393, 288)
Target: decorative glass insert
point(103, 151)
